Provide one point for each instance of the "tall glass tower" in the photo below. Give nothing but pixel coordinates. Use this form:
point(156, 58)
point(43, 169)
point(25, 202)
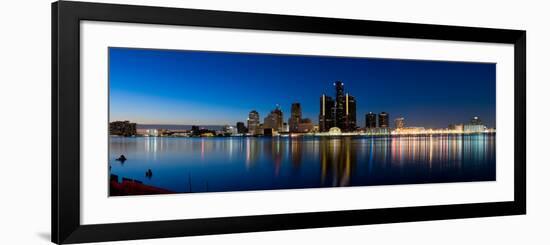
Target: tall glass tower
point(326, 113)
point(340, 106)
point(295, 117)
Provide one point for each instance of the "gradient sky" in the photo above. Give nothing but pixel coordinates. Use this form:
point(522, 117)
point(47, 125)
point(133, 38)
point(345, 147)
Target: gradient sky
point(216, 88)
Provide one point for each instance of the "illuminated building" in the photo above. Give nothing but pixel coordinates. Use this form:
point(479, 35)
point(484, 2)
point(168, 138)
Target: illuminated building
point(383, 120)
point(410, 130)
point(399, 122)
point(274, 120)
point(286, 128)
point(340, 112)
point(457, 127)
point(229, 130)
point(326, 119)
point(150, 132)
point(340, 106)
point(253, 122)
point(475, 126)
point(350, 118)
point(305, 126)
point(370, 120)
point(335, 131)
point(475, 121)
point(295, 117)
point(258, 130)
point(241, 129)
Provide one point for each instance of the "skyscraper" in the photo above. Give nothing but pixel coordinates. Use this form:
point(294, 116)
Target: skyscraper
point(370, 120)
point(383, 120)
point(341, 113)
point(253, 121)
point(340, 106)
point(295, 117)
point(350, 118)
point(326, 119)
point(400, 122)
point(241, 129)
point(345, 109)
point(274, 120)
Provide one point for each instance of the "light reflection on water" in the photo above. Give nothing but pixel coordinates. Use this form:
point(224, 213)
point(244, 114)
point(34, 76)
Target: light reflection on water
point(249, 163)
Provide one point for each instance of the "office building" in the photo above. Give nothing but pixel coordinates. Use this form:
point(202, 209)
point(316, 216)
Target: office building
point(305, 126)
point(370, 120)
point(274, 120)
point(295, 117)
point(350, 118)
point(399, 122)
point(326, 119)
point(241, 129)
point(475, 126)
point(253, 122)
point(340, 106)
point(383, 120)
point(341, 112)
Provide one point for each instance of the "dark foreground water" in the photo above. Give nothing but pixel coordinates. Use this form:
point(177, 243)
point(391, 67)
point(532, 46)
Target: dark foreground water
point(249, 163)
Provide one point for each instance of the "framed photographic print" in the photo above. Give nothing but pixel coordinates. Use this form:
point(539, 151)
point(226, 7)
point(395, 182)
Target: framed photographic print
point(175, 122)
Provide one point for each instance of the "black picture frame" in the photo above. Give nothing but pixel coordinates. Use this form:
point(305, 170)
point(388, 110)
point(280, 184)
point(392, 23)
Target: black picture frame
point(66, 17)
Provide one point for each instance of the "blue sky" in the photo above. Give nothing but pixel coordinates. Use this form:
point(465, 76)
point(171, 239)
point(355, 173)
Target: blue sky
point(216, 88)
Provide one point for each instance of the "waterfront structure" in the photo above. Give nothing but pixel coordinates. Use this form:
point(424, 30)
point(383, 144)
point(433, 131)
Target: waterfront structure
point(153, 132)
point(457, 127)
point(326, 119)
point(399, 122)
point(475, 126)
point(370, 120)
point(259, 130)
point(229, 130)
point(295, 117)
point(305, 126)
point(383, 120)
point(286, 129)
point(253, 121)
point(378, 131)
point(334, 131)
point(410, 130)
point(274, 120)
point(241, 129)
point(122, 128)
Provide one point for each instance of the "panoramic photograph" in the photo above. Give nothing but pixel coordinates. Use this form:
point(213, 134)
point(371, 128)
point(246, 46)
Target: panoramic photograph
point(183, 121)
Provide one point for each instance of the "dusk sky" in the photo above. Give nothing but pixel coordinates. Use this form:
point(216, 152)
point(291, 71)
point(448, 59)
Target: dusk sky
point(218, 88)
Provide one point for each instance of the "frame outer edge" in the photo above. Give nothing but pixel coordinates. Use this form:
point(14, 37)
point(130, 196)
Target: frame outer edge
point(520, 132)
point(54, 123)
point(66, 16)
point(66, 154)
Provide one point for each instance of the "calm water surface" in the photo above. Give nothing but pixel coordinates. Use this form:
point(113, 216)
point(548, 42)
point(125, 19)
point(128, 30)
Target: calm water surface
point(250, 163)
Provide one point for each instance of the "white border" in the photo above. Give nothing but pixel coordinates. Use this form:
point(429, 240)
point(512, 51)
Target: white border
point(96, 207)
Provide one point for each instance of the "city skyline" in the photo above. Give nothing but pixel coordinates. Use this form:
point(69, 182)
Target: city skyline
point(213, 88)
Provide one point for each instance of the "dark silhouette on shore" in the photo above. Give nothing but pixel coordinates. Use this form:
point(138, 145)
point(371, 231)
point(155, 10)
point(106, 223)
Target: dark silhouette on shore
point(132, 187)
point(149, 174)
